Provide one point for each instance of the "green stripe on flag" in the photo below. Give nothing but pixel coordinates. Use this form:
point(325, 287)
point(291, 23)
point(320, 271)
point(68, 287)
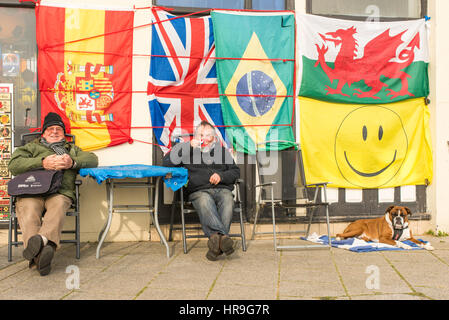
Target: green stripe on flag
point(315, 80)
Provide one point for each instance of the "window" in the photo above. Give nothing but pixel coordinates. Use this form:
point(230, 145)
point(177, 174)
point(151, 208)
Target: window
point(181, 6)
point(18, 65)
point(363, 9)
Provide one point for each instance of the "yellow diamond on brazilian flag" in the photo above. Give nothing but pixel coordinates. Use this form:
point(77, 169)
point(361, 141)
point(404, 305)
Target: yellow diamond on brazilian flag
point(254, 82)
point(251, 79)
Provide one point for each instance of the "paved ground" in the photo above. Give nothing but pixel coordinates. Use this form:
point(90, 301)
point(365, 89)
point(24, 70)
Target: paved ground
point(141, 271)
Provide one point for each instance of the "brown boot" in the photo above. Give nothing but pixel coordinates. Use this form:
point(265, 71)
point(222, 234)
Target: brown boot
point(34, 247)
point(214, 247)
point(226, 245)
point(43, 260)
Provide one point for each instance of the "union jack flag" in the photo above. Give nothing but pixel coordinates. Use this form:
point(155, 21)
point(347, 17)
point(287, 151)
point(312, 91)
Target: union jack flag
point(182, 87)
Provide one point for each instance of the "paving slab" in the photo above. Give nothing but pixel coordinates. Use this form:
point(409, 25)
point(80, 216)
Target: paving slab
point(141, 271)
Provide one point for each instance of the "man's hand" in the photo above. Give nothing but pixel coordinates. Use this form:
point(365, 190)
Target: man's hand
point(215, 178)
point(57, 162)
point(195, 143)
point(67, 161)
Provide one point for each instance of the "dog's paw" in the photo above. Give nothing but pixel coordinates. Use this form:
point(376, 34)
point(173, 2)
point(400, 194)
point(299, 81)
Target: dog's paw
point(427, 246)
point(403, 245)
point(338, 238)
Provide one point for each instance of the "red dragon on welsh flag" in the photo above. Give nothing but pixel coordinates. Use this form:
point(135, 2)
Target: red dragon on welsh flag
point(362, 62)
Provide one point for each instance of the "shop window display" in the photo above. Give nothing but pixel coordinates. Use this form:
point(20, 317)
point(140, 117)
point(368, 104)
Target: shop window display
point(18, 66)
point(18, 88)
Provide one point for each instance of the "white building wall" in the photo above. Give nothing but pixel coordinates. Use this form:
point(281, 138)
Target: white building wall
point(438, 192)
point(135, 227)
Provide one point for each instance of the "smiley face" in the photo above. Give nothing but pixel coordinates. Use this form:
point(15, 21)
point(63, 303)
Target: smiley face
point(370, 146)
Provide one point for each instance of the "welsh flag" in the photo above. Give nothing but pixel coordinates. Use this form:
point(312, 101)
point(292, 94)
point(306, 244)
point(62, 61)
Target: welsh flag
point(255, 71)
point(85, 71)
point(362, 62)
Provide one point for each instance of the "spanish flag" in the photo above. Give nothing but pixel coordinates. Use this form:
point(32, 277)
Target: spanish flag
point(366, 146)
point(85, 71)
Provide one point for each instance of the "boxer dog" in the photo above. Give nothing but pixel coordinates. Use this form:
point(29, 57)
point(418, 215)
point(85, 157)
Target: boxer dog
point(391, 229)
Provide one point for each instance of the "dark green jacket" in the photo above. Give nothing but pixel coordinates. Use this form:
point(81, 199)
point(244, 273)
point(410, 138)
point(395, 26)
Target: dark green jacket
point(30, 156)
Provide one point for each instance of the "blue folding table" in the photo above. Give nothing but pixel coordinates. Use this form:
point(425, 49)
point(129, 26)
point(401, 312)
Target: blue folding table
point(173, 177)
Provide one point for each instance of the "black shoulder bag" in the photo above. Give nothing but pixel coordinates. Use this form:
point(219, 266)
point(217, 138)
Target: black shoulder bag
point(36, 183)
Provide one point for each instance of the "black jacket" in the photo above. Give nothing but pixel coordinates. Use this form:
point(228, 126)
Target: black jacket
point(202, 165)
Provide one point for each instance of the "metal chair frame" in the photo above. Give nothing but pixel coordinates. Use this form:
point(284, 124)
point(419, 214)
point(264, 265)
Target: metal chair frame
point(314, 204)
point(186, 207)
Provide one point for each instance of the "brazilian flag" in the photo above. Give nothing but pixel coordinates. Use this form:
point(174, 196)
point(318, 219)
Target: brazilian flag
point(255, 70)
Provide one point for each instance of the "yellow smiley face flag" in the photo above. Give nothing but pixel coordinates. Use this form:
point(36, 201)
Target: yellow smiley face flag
point(366, 146)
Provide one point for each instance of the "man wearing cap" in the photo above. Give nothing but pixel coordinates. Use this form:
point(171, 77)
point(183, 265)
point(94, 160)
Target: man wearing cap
point(52, 152)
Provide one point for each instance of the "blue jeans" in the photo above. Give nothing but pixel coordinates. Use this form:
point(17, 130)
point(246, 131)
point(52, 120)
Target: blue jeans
point(215, 207)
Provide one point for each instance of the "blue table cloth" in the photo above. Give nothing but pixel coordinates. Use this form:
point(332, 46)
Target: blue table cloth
point(178, 179)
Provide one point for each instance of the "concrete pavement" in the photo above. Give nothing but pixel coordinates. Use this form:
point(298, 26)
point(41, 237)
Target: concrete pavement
point(141, 271)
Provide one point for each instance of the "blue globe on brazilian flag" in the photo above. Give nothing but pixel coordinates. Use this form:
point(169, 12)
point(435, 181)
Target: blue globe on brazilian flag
point(255, 69)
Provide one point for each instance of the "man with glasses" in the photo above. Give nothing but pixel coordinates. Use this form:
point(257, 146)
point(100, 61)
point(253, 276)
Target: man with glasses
point(212, 174)
point(51, 152)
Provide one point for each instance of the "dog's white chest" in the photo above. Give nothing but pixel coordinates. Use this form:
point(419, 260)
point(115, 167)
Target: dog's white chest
point(405, 234)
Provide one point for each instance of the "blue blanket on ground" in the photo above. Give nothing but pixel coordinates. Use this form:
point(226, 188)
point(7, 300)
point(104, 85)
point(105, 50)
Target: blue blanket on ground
point(359, 245)
point(177, 180)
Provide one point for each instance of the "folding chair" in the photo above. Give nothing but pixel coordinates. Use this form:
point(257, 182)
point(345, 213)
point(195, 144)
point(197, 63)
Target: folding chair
point(186, 207)
point(281, 187)
point(74, 211)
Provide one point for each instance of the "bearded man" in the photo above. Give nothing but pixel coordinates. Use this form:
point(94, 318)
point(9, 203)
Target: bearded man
point(212, 175)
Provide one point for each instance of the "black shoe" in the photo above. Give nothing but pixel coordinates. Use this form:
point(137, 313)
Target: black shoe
point(34, 247)
point(32, 263)
point(226, 245)
point(214, 247)
point(43, 260)
point(212, 256)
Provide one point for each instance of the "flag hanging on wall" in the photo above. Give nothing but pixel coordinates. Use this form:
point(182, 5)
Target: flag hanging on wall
point(85, 71)
point(366, 146)
point(255, 76)
point(182, 86)
point(362, 62)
